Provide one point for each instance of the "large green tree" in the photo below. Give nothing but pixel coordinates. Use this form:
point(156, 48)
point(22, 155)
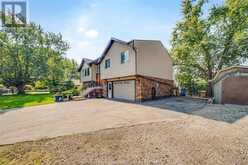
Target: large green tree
point(203, 43)
point(25, 54)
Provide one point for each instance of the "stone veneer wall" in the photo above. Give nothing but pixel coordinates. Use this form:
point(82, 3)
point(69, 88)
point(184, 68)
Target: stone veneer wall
point(104, 84)
point(144, 87)
point(145, 84)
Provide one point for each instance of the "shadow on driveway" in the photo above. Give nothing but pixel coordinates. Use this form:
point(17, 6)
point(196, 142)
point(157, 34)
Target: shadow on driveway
point(225, 113)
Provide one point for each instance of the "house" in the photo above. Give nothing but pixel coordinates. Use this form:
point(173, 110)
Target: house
point(230, 86)
point(137, 70)
point(89, 72)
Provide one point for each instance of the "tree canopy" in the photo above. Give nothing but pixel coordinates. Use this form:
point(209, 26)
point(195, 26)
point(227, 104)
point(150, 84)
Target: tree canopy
point(204, 43)
point(29, 54)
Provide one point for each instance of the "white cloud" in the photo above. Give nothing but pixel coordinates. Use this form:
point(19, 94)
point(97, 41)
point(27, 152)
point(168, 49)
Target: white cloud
point(92, 33)
point(83, 44)
point(81, 29)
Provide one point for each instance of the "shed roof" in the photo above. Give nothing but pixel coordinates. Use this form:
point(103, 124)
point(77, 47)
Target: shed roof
point(233, 69)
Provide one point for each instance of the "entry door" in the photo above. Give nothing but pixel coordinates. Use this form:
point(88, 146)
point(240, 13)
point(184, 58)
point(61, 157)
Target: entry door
point(110, 90)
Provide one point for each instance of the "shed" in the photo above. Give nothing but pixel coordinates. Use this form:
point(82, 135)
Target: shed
point(230, 86)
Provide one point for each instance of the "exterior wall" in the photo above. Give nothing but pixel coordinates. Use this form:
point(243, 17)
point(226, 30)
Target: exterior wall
point(105, 86)
point(153, 60)
point(82, 77)
point(235, 90)
point(93, 72)
point(144, 87)
point(230, 86)
point(116, 68)
point(217, 92)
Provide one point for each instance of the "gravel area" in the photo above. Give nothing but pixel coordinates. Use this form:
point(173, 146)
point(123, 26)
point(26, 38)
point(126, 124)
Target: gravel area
point(189, 141)
point(225, 113)
point(168, 131)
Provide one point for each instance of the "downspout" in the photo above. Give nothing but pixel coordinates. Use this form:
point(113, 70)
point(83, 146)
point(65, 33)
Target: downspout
point(135, 54)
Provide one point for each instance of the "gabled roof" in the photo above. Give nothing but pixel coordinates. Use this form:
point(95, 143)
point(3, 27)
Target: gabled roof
point(110, 43)
point(113, 40)
point(84, 60)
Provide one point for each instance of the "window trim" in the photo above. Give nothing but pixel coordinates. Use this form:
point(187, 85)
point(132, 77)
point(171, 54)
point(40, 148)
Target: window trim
point(126, 56)
point(86, 72)
point(107, 65)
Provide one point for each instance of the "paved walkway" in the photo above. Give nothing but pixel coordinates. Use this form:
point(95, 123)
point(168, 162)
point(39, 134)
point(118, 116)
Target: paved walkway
point(54, 120)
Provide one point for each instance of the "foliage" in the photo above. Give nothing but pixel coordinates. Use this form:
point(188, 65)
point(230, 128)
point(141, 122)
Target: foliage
point(204, 43)
point(57, 86)
point(40, 84)
point(61, 73)
point(74, 92)
point(29, 54)
point(81, 88)
point(17, 101)
point(29, 87)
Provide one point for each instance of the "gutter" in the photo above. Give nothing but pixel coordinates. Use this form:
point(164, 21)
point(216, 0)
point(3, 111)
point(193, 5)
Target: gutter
point(135, 53)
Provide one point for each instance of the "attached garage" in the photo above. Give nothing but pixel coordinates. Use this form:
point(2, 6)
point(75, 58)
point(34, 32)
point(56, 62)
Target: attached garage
point(124, 90)
point(230, 86)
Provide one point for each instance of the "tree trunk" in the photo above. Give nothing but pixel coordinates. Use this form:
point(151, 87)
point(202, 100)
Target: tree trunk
point(20, 89)
point(210, 77)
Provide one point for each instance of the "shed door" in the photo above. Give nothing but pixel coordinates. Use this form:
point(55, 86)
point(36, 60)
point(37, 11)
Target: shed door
point(235, 90)
point(124, 90)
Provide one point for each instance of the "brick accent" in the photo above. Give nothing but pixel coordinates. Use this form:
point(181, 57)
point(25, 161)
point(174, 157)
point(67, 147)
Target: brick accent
point(104, 84)
point(98, 80)
point(144, 86)
point(235, 90)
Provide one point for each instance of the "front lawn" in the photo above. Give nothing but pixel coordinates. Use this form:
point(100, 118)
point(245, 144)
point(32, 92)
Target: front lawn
point(18, 101)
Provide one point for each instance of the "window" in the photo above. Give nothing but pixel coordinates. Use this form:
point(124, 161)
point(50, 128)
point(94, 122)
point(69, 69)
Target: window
point(124, 57)
point(86, 72)
point(107, 63)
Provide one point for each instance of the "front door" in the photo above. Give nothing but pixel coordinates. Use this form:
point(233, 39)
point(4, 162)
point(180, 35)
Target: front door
point(110, 90)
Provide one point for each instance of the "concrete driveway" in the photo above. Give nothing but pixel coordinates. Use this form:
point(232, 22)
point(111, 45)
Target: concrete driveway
point(60, 119)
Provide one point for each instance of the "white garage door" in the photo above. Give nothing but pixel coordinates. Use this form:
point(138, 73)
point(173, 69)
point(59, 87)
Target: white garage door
point(124, 89)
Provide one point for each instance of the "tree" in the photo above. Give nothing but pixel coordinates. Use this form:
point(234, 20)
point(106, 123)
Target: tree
point(25, 54)
point(204, 43)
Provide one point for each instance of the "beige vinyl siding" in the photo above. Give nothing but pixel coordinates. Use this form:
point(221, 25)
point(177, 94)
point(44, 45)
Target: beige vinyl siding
point(93, 72)
point(116, 68)
point(153, 60)
point(92, 76)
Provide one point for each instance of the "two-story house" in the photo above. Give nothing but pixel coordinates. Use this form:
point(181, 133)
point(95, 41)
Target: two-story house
point(136, 70)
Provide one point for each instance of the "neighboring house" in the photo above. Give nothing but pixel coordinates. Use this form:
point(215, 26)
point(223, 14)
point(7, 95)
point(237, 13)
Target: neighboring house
point(136, 70)
point(230, 86)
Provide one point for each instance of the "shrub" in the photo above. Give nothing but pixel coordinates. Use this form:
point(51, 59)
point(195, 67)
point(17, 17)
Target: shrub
point(40, 85)
point(29, 87)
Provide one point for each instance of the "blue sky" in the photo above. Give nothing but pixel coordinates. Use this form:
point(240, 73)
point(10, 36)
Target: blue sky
point(89, 24)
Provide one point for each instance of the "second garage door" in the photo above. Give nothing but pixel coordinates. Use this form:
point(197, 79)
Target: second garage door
point(124, 90)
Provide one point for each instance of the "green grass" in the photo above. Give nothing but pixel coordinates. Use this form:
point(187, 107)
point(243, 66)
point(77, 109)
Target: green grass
point(18, 101)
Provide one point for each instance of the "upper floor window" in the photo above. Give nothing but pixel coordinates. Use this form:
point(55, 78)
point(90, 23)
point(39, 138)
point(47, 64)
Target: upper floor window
point(107, 63)
point(86, 72)
point(124, 57)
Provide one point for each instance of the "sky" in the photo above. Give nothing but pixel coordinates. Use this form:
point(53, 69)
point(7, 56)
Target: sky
point(88, 25)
